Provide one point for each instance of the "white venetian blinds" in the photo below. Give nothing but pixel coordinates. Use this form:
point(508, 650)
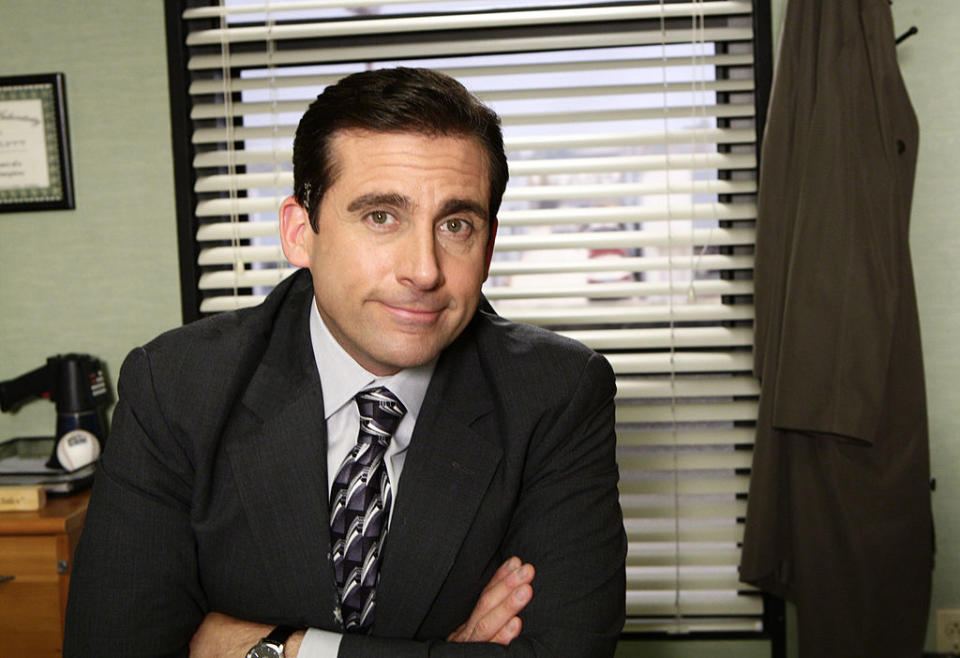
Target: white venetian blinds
point(628, 222)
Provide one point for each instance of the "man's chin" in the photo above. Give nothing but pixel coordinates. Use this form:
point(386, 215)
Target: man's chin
point(409, 354)
point(405, 361)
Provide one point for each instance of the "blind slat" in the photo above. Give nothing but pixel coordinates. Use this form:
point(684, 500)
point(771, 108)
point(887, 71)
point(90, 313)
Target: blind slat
point(617, 138)
point(680, 337)
point(685, 361)
point(223, 10)
point(613, 314)
point(687, 577)
point(692, 626)
point(680, 161)
point(445, 48)
point(628, 239)
point(713, 486)
point(682, 212)
point(270, 204)
point(692, 413)
point(280, 80)
point(694, 459)
point(287, 130)
point(643, 603)
point(683, 436)
point(549, 317)
point(669, 507)
point(680, 529)
point(708, 288)
point(637, 551)
point(585, 240)
point(464, 21)
point(239, 109)
point(639, 264)
point(246, 278)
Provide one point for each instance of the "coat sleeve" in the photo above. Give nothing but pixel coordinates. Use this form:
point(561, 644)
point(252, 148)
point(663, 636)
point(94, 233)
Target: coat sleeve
point(135, 588)
point(568, 524)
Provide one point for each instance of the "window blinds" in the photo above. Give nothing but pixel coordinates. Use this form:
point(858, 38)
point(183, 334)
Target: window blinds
point(628, 223)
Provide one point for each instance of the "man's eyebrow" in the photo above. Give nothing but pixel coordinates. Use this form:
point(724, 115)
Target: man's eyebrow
point(379, 199)
point(450, 207)
point(456, 206)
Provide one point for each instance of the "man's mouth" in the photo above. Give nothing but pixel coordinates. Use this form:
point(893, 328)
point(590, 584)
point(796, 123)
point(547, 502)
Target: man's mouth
point(413, 314)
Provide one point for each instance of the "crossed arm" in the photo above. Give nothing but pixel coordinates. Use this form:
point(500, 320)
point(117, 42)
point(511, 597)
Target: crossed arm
point(494, 619)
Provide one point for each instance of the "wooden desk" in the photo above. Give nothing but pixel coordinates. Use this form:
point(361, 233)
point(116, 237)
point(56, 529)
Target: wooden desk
point(36, 548)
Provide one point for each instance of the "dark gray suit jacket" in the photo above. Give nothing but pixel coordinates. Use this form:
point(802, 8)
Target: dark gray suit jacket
point(212, 493)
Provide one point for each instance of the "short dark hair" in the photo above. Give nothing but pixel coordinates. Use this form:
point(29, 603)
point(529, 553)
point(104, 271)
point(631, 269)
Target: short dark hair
point(397, 100)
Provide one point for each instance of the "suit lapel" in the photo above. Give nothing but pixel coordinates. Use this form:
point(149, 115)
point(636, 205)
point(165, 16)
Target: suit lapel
point(279, 461)
point(447, 470)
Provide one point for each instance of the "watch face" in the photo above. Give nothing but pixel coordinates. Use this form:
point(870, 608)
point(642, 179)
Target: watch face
point(262, 650)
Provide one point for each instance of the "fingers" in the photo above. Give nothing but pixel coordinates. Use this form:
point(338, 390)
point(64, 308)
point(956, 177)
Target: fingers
point(502, 573)
point(501, 623)
point(494, 617)
point(509, 591)
point(508, 567)
point(509, 631)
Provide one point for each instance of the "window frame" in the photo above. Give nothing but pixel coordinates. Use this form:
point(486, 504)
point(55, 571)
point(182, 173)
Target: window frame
point(773, 620)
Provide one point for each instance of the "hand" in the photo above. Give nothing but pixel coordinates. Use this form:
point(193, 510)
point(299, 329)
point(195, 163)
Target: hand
point(221, 636)
point(494, 618)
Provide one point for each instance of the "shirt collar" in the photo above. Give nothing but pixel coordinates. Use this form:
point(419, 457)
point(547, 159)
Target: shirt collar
point(341, 378)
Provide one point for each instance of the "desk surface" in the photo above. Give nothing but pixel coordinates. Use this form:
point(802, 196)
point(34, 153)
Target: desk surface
point(62, 514)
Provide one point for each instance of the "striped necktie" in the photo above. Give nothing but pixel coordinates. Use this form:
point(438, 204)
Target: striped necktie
point(360, 508)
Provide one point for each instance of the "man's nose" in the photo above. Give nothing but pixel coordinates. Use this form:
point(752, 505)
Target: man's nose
point(418, 263)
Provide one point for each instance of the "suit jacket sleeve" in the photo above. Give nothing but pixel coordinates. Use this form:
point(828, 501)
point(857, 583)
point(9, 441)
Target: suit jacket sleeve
point(135, 589)
point(567, 522)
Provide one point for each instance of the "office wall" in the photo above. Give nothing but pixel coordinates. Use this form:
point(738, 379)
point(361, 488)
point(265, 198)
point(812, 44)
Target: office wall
point(930, 63)
point(101, 278)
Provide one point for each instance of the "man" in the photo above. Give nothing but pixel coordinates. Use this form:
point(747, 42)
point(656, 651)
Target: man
point(224, 505)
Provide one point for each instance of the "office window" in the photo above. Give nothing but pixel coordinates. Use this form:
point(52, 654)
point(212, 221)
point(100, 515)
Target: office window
point(628, 224)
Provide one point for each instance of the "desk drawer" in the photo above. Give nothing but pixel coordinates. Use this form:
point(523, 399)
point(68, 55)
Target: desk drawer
point(30, 602)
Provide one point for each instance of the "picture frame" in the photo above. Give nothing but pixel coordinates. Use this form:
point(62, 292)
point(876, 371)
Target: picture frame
point(35, 167)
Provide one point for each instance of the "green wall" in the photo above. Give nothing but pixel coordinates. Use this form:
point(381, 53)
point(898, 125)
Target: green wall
point(930, 62)
point(103, 278)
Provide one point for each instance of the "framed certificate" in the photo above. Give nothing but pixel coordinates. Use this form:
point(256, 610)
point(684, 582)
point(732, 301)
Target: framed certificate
point(35, 171)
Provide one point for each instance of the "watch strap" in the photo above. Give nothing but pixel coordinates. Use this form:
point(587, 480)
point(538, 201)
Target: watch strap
point(280, 634)
point(274, 642)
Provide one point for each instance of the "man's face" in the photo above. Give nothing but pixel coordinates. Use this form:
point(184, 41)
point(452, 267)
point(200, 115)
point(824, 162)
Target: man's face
point(400, 252)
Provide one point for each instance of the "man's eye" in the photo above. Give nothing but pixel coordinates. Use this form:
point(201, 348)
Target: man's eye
point(456, 226)
point(380, 217)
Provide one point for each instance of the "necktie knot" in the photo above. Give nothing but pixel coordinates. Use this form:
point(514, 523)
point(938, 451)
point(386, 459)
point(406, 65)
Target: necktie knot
point(380, 414)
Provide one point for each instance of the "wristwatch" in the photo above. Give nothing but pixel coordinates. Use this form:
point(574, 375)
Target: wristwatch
point(271, 646)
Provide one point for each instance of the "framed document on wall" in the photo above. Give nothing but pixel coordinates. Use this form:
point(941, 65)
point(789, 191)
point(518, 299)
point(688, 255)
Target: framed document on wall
point(35, 172)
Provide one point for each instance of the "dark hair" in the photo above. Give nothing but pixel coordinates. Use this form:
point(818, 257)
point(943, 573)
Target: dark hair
point(398, 100)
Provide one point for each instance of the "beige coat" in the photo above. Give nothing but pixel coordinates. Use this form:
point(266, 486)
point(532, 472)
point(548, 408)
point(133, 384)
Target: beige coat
point(839, 516)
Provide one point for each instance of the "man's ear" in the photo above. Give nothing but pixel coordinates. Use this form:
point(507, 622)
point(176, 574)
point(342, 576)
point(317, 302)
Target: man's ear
point(489, 255)
point(295, 232)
